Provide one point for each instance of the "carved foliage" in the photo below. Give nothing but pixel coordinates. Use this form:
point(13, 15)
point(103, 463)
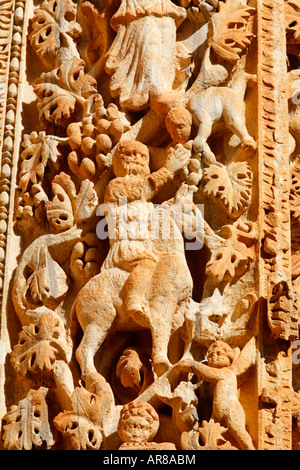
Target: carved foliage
point(67, 207)
point(62, 93)
point(40, 151)
point(27, 423)
point(208, 437)
point(232, 258)
point(295, 193)
point(292, 19)
point(53, 26)
point(84, 423)
point(228, 30)
point(230, 186)
point(39, 346)
point(41, 286)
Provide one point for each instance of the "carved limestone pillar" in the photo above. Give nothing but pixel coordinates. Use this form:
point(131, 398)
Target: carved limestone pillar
point(149, 224)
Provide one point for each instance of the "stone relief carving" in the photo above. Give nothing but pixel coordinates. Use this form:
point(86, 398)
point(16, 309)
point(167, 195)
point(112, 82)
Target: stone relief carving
point(156, 215)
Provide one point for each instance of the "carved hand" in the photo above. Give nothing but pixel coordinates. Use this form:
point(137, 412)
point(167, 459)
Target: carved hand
point(177, 158)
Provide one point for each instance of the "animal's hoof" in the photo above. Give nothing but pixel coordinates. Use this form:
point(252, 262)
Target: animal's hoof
point(250, 144)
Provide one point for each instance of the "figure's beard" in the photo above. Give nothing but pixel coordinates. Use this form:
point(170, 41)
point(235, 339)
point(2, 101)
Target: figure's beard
point(131, 168)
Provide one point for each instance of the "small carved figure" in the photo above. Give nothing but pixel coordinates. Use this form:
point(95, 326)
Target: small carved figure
point(139, 261)
point(224, 365)
point(141, 58)
point(178, 122)
point(138, 425)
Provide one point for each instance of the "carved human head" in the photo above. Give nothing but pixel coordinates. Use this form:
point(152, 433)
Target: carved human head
point(138, 422)
point(131, 158)
point(220, 354)
point(179, 124)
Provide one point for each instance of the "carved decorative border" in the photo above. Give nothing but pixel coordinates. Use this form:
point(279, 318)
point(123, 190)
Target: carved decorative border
point(275, 282)
point(12, 37)
point(275, 175)
point(14, 48)
point(275, 424)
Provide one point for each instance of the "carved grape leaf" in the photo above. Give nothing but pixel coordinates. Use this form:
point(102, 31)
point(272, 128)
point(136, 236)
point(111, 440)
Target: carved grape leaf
point(47, 283)
point(211, 435)
point(27, 423)
point(60, 209)
point(230, 185)
point(54, 27)
point(68, 207)
point(232, 258)
point(39, 346)
point(84, 423)
point(63, 92)
point(40, 151)
point(229, 34)
point(292, 21)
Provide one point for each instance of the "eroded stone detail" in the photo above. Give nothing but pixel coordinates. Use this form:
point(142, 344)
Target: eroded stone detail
point(152, 203)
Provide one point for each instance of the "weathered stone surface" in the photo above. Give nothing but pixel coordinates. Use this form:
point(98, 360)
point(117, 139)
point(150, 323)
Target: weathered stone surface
point(149, 224)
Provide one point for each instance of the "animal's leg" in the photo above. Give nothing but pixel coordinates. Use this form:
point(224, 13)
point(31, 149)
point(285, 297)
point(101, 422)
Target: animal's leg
point(234, 118)
point(93, 337)
point(163, 310)
point(205, 124)
point(160, 327)
point(161, 332)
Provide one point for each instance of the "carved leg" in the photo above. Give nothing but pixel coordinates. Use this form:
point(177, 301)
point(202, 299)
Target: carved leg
point(160, 338)
point(137, 290)
point(161, 327)
point(237, 427)
point(93, 337)
point(234, 118)
point(204, 132)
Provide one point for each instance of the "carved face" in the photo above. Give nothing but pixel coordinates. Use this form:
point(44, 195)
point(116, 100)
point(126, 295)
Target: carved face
point(219, 355)
point(131, 158)
point(179, 124)
point(139, 422)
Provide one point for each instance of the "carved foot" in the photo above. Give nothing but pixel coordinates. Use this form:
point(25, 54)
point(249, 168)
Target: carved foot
point(249, 144)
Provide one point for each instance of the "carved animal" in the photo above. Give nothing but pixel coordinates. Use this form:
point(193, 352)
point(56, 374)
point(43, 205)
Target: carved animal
point(100, 309)
point(211, 106)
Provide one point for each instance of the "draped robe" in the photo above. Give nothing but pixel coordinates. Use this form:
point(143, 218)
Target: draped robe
point(141, 58)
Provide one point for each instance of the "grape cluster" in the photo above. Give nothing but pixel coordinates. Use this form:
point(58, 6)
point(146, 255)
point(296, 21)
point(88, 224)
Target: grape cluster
point(92, 141)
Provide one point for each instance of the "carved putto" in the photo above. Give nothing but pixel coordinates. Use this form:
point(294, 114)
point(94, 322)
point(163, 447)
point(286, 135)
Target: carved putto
point(138, 214)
